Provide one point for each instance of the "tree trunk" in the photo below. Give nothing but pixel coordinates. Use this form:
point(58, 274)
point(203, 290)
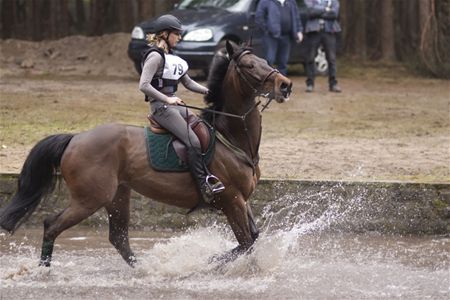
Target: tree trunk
point(7, 18)
point(97, 18)
point(162, 6)
point(146, 10)
point(343, 17)
point(412, 27)
point(54, 19)
point(424, 14)
point(125, 15)
point(35, 20)
point(62, 19)
point(80, 16)
point(361, 35)
point(387, 30)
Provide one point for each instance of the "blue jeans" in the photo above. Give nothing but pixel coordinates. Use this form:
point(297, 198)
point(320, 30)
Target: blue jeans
point(277, 51)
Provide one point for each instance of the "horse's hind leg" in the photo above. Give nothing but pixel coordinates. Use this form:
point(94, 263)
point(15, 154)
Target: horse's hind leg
point(48, 241)
point(119, 217)
point(53, 226)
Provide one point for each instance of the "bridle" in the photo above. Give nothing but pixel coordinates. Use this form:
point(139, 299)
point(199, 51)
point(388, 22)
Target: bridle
point(251, 160)
point(256, 90)
point(285, 90)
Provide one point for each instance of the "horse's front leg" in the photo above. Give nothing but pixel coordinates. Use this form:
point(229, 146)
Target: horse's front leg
point(240, 218)
point(251, 223)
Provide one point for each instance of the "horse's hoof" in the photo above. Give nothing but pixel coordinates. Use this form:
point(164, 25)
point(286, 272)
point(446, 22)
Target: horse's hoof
point(132, 261)
point(229, 256)
point(44, 263)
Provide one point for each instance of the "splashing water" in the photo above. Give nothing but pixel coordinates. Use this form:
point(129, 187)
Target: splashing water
point(301, 253)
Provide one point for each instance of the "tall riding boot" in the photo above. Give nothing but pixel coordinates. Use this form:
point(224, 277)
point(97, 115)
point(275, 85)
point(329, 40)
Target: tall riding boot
point(207, 183)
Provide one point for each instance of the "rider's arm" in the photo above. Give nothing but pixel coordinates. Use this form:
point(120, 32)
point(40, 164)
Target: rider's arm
point(152, 64)
point(193, 86)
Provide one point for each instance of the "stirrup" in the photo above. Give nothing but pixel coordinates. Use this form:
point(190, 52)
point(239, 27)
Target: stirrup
point(214, 185)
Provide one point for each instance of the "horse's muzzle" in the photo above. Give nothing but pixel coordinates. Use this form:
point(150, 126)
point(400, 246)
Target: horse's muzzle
point(282, 88)
point(286, 89)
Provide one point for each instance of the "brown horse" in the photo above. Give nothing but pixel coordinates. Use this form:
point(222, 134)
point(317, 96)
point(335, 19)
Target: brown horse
point(101, 166)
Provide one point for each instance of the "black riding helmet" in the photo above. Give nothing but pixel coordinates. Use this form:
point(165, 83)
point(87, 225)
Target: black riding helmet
point(166, 22)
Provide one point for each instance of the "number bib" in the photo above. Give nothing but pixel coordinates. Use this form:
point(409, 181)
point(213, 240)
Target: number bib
point(174, 68)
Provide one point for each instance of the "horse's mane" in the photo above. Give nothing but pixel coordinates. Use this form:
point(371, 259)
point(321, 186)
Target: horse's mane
point(216, 75)
point(217, 71)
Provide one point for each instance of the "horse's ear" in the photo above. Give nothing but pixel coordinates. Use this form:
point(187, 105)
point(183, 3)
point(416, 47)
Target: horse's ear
point(230, 49)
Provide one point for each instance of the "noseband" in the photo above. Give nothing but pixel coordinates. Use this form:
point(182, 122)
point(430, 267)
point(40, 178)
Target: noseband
point(257, 91)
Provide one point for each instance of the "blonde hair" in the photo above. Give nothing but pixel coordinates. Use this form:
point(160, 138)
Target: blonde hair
point(154, 39)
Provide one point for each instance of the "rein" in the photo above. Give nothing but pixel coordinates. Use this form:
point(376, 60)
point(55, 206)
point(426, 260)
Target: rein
point(216, 112)
point(240, 153)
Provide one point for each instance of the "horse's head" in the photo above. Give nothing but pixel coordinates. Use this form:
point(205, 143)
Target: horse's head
point(258, 74)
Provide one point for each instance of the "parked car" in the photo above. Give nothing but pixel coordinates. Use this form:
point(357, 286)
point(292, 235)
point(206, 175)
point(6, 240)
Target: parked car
point(207, 24)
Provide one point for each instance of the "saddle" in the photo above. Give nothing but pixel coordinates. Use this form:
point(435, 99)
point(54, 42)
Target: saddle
point(200, 128)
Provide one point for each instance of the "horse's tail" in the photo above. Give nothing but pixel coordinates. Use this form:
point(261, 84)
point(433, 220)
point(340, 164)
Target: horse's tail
point(35, 180)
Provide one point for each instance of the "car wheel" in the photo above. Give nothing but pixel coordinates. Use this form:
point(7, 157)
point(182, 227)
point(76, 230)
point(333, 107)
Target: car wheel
point(321, 62)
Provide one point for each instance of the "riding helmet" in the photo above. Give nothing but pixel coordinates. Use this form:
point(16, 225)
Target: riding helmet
point(166, 22)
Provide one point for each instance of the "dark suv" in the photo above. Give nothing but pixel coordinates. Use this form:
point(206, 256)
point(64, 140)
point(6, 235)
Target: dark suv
point(207, 24)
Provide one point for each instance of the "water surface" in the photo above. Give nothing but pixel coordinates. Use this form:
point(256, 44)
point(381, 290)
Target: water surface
point(285, 264)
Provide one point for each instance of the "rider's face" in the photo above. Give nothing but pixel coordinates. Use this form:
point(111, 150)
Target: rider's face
point(174, 38)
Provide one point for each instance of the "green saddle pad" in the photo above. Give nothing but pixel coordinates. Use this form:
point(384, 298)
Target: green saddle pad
point(162, 155)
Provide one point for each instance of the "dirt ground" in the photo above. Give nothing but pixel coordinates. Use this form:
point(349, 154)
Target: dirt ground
point(387, 125)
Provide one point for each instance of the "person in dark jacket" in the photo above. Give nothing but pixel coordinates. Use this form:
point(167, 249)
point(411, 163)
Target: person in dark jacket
point(322, 27)
point(161, 73)
point(280, 22)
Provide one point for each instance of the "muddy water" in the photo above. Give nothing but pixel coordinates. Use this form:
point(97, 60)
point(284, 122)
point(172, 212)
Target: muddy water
point(297, 262)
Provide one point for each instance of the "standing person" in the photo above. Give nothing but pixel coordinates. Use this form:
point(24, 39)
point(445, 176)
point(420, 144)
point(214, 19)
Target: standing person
point(161, 73)
point(280, 22)
point(322, 27)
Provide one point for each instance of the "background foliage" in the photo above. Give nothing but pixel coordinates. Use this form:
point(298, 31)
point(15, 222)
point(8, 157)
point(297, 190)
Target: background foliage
point(415, 32)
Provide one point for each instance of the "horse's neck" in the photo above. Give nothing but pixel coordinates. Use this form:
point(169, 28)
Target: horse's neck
point(243, 133)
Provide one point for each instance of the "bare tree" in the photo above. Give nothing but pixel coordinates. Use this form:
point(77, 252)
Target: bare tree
point(387, 30)
point(79, 16)
point(98, 11)
point(7, 18)
point(430, 39)
point(360, 45)
point(125, 15)
point(146, 9)
point(424, 14)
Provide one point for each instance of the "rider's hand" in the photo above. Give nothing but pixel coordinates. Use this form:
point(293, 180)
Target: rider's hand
point(299, 37)
point(174, 100)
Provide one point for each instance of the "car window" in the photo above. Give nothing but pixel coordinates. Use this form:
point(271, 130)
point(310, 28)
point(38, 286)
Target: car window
point(231, 5)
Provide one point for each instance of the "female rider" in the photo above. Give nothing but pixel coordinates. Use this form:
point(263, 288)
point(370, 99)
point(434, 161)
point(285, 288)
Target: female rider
point(161, 73)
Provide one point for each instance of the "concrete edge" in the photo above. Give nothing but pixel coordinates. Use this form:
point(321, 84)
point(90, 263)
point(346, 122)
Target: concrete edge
point(387, 207)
